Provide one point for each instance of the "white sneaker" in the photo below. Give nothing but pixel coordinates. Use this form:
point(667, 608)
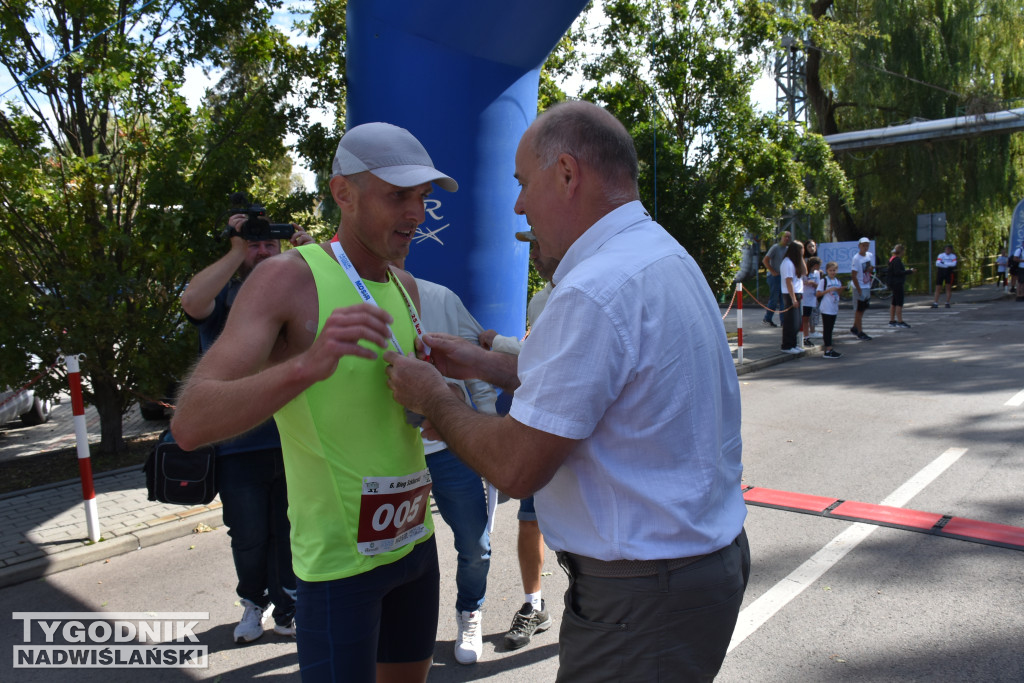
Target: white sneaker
point(251, 626)
point(287, 630)
point(470, 643)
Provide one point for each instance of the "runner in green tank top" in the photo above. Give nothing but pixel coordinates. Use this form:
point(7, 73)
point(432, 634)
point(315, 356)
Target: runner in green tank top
point(304, 343)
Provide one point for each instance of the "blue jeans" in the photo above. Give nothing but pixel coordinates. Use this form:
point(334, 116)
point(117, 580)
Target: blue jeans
point(774, 296)
point(255, 500)
point(462, 502)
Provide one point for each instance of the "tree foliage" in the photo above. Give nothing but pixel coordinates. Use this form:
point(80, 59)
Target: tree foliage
point(112, 187)
point(679, 75)
point(875, 63)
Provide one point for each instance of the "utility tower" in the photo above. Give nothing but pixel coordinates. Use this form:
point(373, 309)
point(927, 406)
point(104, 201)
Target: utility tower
point(791, 98)
point(790, 81)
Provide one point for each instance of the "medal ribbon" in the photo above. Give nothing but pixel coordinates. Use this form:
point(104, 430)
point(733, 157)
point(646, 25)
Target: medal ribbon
point(364, 294)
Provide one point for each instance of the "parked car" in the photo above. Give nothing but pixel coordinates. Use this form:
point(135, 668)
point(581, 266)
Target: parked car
point(25, 405)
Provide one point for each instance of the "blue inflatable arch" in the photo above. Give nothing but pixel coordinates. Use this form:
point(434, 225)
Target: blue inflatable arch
point(462, 75)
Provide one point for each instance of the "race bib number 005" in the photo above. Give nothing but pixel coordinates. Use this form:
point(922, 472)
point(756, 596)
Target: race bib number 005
point(392, 511)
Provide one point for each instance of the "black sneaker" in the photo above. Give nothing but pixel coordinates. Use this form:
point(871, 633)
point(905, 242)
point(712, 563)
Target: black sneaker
point(525, 623)
point(893, 323)
point(808, 342)
point(768, 323)
point(935, 305)
point(863, 337)
point(947, 305)
point(902, 324)
point(832, 353)
point(854, 331)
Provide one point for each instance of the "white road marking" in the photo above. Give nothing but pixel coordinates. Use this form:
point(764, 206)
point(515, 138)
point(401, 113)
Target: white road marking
point(778, 596)
point(1016, 401)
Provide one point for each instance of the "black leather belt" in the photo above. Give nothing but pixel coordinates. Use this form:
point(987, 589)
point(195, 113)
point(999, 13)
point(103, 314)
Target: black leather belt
point(626, 569)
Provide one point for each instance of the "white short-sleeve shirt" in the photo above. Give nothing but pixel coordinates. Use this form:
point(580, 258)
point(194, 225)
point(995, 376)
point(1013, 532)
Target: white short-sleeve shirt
point(787, 271)
point(631, 359)
point(829, 303)
point(811, 281)
point(861, 265)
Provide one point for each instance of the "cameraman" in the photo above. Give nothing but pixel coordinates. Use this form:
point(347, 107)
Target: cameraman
point(250, 470)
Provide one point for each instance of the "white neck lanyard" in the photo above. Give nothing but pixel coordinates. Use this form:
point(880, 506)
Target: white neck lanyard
point(365, 295)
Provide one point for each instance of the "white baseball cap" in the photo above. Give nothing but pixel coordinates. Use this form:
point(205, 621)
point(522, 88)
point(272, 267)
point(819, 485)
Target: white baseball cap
point(391, 153)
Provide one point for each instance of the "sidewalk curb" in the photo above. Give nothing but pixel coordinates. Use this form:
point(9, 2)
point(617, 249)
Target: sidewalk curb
point(118, 545)
point(762, 363)
point(69, 482)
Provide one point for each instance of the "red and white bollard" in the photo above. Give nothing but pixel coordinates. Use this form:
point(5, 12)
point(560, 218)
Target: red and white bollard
point(739, 322)
point(92, 518)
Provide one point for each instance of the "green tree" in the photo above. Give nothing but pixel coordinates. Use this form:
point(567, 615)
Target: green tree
point(111, 187)
point(679, 76)
point(875, 63)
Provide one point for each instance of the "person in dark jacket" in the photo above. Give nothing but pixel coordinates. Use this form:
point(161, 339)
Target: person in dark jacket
point(897, 281)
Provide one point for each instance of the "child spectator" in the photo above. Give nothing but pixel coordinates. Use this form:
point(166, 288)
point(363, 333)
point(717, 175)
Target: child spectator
point(1002, 265)
point(810, 301)
point(828, 297)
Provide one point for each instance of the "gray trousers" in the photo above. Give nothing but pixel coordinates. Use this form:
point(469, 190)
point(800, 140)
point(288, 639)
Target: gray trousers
point(673, 626)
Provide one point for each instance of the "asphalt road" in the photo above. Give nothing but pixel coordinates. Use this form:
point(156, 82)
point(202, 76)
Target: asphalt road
point(828, 600)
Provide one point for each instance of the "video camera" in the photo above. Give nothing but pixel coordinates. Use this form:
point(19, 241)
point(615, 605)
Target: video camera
point(256, 228)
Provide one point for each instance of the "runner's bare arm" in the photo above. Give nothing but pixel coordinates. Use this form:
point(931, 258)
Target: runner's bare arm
point(267, 355)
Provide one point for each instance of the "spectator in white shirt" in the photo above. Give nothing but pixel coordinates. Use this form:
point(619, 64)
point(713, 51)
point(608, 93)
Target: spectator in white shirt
point(862, 269)
point(945, 267)
point(792, 273)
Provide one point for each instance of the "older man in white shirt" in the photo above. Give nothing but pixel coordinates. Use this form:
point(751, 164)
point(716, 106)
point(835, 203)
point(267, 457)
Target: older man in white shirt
point(626, 417)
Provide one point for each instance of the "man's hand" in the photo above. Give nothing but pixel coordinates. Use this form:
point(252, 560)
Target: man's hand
point(454, 356)
point(486, 339)
point(300, 236)
point(414, 383)
point(341, 334)
point(238, 243)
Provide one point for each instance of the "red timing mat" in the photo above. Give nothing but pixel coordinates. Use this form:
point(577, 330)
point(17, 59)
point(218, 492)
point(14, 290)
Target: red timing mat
point(1001, 535)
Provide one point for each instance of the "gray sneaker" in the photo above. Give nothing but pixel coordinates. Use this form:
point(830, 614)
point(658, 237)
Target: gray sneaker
point(525, 623)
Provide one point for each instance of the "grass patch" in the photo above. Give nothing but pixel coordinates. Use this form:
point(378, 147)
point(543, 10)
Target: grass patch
point(60, 465)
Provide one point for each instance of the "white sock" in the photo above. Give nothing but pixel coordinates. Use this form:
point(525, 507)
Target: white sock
point(535, 600)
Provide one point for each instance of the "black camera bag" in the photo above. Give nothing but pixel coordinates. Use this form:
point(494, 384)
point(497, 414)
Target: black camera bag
point(181, 477)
